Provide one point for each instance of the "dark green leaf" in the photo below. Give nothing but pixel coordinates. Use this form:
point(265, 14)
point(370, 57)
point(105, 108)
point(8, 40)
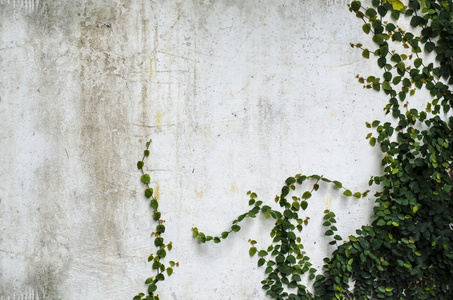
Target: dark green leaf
point(306, 195)
point(235, 228)
point(154, 204)
point(149, 193)
point(355, 5)
point(304, 205)
point(160, 228)
point(146, 179)
point(161, 253)
point(152, 288)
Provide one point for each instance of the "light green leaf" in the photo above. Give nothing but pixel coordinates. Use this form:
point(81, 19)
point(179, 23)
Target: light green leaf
point(347, 193)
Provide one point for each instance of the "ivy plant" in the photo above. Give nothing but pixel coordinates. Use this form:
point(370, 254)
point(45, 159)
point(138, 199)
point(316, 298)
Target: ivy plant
point(407, 250)
point(157, 258)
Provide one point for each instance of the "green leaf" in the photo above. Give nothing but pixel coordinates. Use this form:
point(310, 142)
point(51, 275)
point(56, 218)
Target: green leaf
point(381, 222)
point(154, 204)
point(390, 27)
point(146, 179)
point(396, 80)
point(252, 251)
point(158, 241)
point(355, 5)
point(378, 39)
point(149, 280)
point(152, 288)
point(429, 47)
point(347, 193)
point(161, 253)
point(291, 259)
point(285, 191)
point(169, 271)
point(262, 253)
point(225, 234)
point(386, 86)
point(366, 53)
point(140, 165)
point(366, 28)
point(160, 228)
point(371, 12)
point(160, 277)
point(149, 193)
point(146, 153)
point(418, 62)
point(373, 141)
point(397, 5)
point(306, 195)
point(304, 205)
point(156, 216)
point(290, 180)
point(357, 195)
point(338, 184)
point(235, 228)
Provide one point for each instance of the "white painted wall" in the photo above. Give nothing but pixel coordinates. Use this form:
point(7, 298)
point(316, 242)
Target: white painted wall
point(235, 94)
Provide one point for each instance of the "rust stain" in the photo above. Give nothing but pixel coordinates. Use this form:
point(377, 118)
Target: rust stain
point(158, 118)
point(199, 192)
point(152, 68)
point(156, 193)
point(328, 201)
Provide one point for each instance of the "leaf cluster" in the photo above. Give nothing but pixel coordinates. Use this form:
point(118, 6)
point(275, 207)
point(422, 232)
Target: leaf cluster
point(285, 260)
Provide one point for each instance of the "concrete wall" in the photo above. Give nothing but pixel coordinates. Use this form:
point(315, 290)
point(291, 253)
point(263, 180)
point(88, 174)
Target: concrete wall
point(235, 94)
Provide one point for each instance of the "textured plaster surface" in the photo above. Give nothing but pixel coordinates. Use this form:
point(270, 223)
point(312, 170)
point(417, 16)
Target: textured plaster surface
point(235, 94)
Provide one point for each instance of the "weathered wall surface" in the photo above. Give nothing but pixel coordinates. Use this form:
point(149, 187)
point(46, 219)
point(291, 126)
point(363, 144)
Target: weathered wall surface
point(235, 94)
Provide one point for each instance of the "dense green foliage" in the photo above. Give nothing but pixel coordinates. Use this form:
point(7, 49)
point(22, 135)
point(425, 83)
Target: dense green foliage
point(407, 251)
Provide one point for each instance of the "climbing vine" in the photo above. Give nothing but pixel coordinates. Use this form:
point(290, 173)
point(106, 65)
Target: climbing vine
point(407, 251)
point(158, 264)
